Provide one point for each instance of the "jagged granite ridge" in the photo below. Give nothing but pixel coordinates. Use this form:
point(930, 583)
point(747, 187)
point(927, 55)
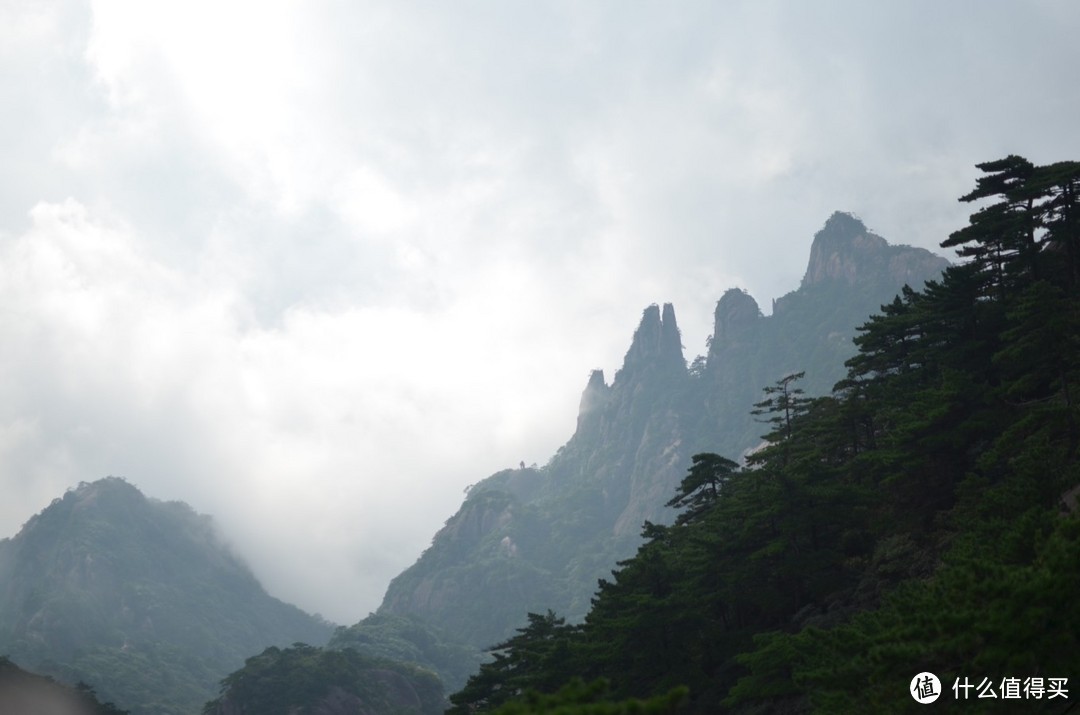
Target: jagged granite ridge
point(534, 539)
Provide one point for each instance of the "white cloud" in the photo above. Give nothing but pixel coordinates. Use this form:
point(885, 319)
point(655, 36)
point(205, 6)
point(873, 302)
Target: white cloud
point(372, 205)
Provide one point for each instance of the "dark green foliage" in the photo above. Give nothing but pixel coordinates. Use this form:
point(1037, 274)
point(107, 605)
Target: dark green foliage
point(535, 659)
point(305, 679)
point(782, 406)
point(699, 491)
point(971, 385)
point(922, 518)
point(136, 596)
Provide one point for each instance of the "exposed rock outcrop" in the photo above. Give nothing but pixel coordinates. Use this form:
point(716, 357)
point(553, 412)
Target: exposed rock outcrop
point(593, 399)
point(656, 346)
point(845, 251)
point(735, 321)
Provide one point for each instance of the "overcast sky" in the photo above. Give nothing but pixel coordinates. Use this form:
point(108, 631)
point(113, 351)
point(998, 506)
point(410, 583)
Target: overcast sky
point(315, 267)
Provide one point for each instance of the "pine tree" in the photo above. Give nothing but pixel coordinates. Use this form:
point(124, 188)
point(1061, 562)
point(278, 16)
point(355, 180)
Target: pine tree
point(700, 488)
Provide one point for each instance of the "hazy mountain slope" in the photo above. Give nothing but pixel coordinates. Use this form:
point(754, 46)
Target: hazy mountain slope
point(138, 597)
point(533, 539)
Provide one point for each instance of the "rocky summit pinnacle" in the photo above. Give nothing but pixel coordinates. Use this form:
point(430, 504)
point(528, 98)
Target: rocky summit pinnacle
point(845, 251)
point(593, 398)
point(736, 317)
point(656, 344)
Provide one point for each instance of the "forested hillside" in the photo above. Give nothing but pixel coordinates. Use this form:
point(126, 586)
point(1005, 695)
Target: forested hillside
point(921, 518)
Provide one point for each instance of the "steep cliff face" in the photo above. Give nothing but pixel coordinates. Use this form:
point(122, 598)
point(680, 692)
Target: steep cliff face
point(483, 566)
point(656, 349)
point(736, 321)
point(845, 251)
point(630, 445)
point(530, 540)
point(737, 368)
point(594, 398)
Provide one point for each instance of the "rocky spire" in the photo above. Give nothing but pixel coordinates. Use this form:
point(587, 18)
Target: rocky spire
point(594, 391)
point(670, 338)
point(643, 346)
point(735, 320)
point(656, 343)
point(593, 398)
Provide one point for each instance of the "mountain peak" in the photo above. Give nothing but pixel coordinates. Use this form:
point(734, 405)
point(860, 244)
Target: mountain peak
point(736, 315)
point(845, 251)
point(110, 489)
point(670, 339)
point(656, 342)
point(841, 251)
